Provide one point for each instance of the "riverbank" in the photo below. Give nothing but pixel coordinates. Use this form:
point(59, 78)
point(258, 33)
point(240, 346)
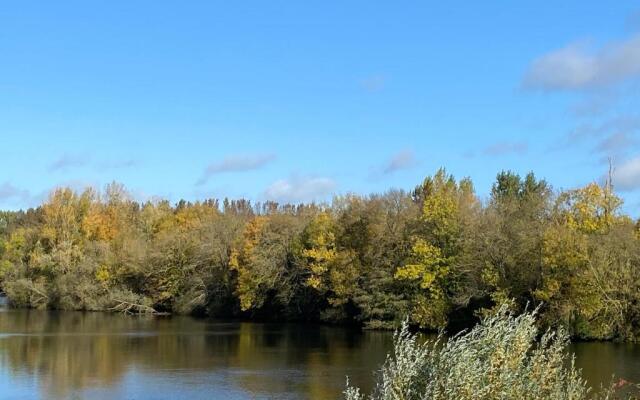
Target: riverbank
point(438, 254)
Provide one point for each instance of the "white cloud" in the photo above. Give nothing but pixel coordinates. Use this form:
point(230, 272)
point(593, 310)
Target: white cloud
point(300, 189)
point(577, 66)
point(403, 160)
point(236, 163)
point(627, 176)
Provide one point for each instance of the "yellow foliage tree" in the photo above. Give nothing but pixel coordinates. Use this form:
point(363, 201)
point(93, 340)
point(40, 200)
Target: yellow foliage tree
point(319, 250)
point(569, 277)
point(331, 271)
point(447, 207)
point(591, 209)
point(243, 259)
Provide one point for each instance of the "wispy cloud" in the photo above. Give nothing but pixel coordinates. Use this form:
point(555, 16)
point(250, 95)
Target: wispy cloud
point(68, 161)
point(505, 148)
point(14, 197)
point(609, 137)
point(605, 81)
point(108, 165)
point(11, 192)
point(236, 163)
point(373, 83)
point(633, 21)
point(300, 189)
point(616, 143)
point(594, 104)
point(579, 66)
point(402, 160)
point(71, 161)
point(619, 124)
point(626, 177)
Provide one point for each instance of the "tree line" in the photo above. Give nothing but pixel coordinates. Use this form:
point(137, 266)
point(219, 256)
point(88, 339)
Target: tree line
point(437, 254)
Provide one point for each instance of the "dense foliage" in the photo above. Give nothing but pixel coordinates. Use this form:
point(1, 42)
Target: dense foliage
point(438, 254)
point(500, 358)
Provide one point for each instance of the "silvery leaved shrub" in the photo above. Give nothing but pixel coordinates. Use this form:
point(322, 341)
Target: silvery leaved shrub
point(501, 358)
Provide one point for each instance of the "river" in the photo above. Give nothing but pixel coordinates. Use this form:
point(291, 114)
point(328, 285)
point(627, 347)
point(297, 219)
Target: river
point(74, 355)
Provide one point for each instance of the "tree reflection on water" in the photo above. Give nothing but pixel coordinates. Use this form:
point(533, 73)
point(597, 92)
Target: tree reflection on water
point(72, 354)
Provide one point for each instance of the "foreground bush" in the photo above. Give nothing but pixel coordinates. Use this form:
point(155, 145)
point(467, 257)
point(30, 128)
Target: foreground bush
point(500, 358)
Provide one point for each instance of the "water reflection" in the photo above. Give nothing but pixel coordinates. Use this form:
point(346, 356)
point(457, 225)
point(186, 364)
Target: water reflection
point(95, 355)
point(599, 361)
point(69, 355)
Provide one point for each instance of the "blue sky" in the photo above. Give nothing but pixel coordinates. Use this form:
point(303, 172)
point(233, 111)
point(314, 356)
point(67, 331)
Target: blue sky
point(295, 102)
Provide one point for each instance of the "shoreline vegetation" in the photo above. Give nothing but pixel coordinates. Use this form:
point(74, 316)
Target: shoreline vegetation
point(438, 254)
point(503, 357)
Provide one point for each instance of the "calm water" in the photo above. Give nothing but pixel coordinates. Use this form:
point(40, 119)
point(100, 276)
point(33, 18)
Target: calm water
point(67, 355)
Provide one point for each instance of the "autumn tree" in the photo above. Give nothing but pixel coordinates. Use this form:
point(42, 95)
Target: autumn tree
point(437, 254)
point(432, 269)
